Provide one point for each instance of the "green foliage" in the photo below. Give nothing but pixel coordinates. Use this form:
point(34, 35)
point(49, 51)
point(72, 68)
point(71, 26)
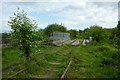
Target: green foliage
point(5, 33)
point(102, 48)
point(114, 36)
point(80, 34)
point(118, 27)
point(107, 61)
point(42, 63)
point(10, 56)
point(23, 32)
point(54, 28)
point(96, 32)
point(88, 63)
point(40, 34)
point(35, 69)
point(23, 76)
point(73, 34)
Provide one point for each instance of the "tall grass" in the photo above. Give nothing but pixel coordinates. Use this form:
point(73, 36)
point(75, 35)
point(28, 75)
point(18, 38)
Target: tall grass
point(95, 60)
point(11, 56)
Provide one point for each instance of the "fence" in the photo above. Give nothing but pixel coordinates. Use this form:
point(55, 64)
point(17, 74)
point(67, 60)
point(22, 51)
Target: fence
point(59, 36)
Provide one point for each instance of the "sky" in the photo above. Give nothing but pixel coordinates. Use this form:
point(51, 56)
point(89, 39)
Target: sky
point(73, 14)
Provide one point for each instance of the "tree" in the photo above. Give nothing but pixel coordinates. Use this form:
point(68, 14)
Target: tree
point(118, 27)
point(97, 33)
point(73, 33)
point(86, 33)
point(54, 28)
point(40, 34)
point(23, 32)
point(79, 34)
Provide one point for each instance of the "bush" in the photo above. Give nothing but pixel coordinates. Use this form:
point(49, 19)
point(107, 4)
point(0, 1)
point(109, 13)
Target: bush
point(42, 63)
point(35, 69)
point(102, 48)
point(107, 61)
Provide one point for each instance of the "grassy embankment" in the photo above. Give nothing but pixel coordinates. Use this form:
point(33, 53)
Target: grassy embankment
point(95, 60)
point(11, 56)
point(44, 61)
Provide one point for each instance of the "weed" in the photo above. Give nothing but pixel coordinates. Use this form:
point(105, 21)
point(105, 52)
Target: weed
point(35, 69)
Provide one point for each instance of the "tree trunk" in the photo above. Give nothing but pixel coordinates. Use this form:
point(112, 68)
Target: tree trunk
point(27, 54)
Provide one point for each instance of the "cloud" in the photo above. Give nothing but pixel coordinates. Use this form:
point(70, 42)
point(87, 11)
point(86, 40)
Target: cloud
point(59, 0)
point(92, 13)
point(74, 15)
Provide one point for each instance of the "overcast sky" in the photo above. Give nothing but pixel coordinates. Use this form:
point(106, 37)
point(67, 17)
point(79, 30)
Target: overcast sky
point(73, 14)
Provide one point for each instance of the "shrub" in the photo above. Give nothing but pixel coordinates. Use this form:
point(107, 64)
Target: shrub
point(102, 48)
point(35, 69)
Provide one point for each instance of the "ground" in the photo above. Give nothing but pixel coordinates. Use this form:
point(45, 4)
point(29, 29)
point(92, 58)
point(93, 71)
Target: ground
point(94, 60)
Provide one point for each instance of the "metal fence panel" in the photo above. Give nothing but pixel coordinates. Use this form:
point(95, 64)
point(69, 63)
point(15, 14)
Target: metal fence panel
point(60, 36)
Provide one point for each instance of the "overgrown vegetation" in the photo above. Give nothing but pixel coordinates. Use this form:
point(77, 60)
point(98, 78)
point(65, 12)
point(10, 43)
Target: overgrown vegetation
point(43, 63)
point(94, 61)
point(23, 32)
point(11, 56)
point(53, 28)
point(98, 59)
